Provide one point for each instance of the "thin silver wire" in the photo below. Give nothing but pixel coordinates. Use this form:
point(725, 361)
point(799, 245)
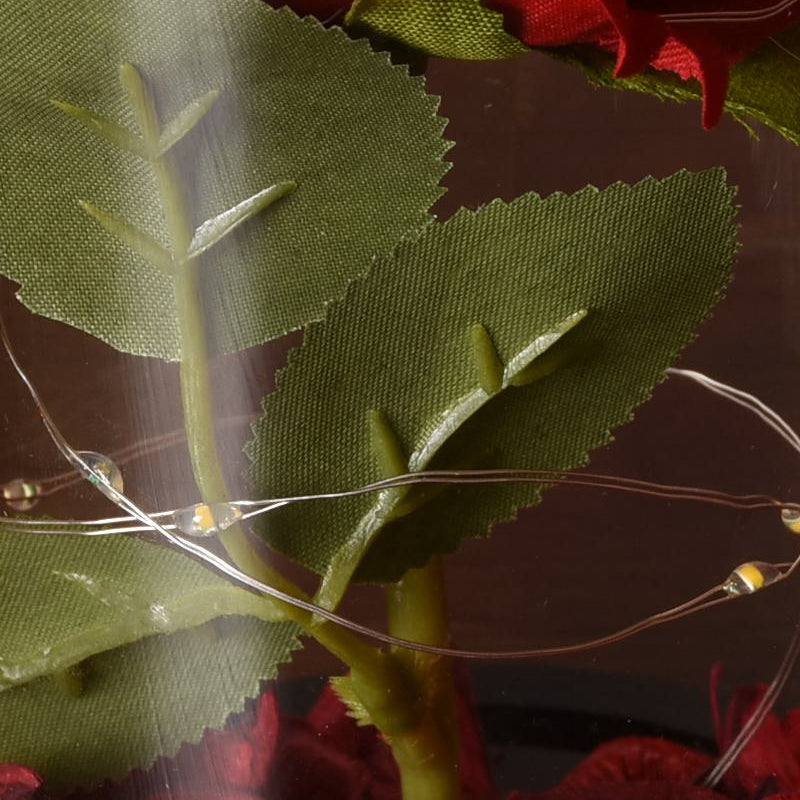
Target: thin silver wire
point(730, 15)
point(56, 483)
point(784, 48)
point(746, 400)
point(441, 477)
point(706, 599)
point(767, 702)
point(760, 713)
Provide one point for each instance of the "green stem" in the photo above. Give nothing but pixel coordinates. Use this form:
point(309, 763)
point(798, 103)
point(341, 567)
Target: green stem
point(417, 607)
point(197, 398)
point(427, 754)
point(409, 696)
point(195, 383)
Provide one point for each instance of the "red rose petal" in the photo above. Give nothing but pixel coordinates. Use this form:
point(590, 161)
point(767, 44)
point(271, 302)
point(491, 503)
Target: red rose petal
point(309, 767)
point(771, 756)
point(639, 758)
point(701, 50)
point(17, 782)
point(555, 24)
point(791, 728)
point(636, 790)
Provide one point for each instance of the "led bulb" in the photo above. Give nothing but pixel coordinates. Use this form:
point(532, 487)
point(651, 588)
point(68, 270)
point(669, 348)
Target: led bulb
point(21, 495)
point(102, 470)
point(791, 519)
point(206, 520)
point(751, 576)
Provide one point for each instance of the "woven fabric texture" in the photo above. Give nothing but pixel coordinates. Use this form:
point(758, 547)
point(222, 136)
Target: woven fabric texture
point(647, 262)
point(447, 28)
point(297, 103)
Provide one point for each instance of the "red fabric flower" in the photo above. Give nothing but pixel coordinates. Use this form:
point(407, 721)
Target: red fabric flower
point(18, 782)
point(769, 767)
point(643, 768)
point(634, 768)
point(263, 754)
point(646, 32)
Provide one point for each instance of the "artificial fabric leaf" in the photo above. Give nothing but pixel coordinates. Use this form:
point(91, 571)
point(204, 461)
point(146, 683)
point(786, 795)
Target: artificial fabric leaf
point(646, 261)
point(66, 599)
point(139, 701)
point(764, 87)
point(109, 590)
point(439, 430)
point(343, 686)
point(446, 28)
point(246, 98)
point(149, 248)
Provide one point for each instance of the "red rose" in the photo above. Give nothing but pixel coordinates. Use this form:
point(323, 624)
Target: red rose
point(651, 32)
point(769, 766)
point(634, 768)
point(644, 768)
point(263, 754)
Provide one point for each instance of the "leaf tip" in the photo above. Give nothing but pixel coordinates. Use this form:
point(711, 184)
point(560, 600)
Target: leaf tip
point(487, 362)
point(128, 71)
point(386, 445)
point(71, 680)
point(67, 108)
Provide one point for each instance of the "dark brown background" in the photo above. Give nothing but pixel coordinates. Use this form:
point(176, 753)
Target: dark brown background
point(584, 562)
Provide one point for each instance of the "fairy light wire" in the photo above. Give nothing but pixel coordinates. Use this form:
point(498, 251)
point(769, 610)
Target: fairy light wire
point(434, 477)
point(704, 600)
point(792, 652)
point(759, 714)
point(56, 483)
point(707, 599)
point(767, 702)
point(745, 400)
point(730, 15)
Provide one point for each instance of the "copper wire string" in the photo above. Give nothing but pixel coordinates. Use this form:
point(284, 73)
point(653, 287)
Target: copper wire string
point(55, 483)
point(704, 600)
point(707, 599)
point(441, 477)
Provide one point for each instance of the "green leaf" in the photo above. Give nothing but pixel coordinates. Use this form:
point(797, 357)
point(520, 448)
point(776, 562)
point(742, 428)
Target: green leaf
point(139, 701)
point(647, 262)
point(439, 430)
point(343, 686)
point(67, 599)
point(763, 87)
point(446, 28)
point(247, 98)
